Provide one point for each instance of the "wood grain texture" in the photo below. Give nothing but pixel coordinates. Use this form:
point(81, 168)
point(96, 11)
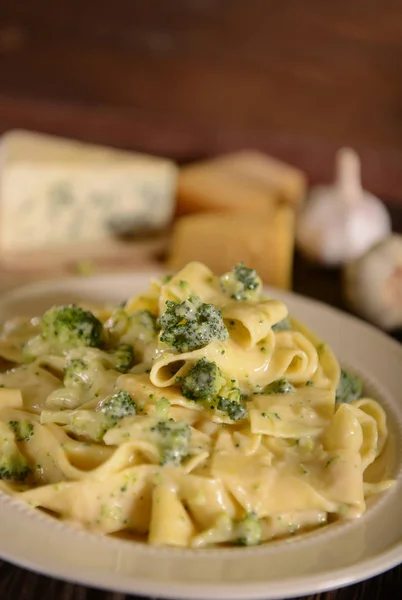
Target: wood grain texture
point(18, 584)
point(187, 78)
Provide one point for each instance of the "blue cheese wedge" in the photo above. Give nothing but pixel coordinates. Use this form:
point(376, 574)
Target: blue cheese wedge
point(56, 193)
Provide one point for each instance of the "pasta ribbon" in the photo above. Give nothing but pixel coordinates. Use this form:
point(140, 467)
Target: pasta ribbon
point(186, 423)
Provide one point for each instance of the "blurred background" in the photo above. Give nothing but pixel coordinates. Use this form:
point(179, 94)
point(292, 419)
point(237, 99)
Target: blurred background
point(193, 79)
point(187, 78)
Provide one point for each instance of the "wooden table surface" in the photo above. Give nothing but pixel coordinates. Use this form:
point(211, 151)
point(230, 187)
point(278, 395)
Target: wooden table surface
point(189, 78)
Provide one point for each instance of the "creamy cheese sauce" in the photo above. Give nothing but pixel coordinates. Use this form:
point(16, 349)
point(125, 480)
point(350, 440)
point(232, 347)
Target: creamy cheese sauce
point(257, 464)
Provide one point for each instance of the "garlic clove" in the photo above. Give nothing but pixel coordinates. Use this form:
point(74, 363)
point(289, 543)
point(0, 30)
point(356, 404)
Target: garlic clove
point(372, 284)
point(338, 223)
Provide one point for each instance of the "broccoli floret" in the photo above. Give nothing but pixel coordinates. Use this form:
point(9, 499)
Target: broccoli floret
point(241, 283)
point(203, 381)
point(86, 377)
point(234, 410)
point(162, 407)
point(88, 424)
point(191, 324)
point(76, 374)
point(140, 325)
point(122, 358)
point(143, 325)
point(229, 401)
point(140, 332)
point(280, 386)
point(81, 372)
point(283, 325)
point(173, 439)
point(71, 326)
point(66, 327)
point(93, 424)
point(23, 430)
point(117, 323)
point(349, 388)
point(248, 531)
point(118, 406)
point(248, 277)
point(13, 464)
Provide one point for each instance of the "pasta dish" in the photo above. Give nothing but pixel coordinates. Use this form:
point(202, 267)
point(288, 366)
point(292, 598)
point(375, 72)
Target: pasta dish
point(196, 414)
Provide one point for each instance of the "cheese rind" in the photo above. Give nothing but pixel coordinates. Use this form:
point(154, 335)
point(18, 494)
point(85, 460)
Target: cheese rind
point(264, 243)
point(68, 193)
point(247, 180)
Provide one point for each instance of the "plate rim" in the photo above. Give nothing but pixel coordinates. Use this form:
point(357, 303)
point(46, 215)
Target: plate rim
point(301, 584)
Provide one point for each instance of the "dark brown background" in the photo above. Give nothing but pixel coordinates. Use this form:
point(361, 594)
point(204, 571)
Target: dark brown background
point(189, 78)
point(193, 77)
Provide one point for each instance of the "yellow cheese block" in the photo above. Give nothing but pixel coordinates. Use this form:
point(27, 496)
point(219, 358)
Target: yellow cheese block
point(248, 180)
point(264, 242)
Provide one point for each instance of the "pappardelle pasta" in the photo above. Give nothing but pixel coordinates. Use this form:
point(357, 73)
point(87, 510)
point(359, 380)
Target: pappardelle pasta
point(196, 414)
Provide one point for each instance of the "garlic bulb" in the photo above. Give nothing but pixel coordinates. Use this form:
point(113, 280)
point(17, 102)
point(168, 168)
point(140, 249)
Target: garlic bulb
point(373, 283)
point(338, 223)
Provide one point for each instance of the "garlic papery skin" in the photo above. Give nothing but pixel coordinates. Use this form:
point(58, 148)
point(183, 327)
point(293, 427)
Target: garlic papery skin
point(338, 223)
point(372, 284)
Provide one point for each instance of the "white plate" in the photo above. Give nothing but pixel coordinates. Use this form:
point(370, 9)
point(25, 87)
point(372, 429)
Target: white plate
point(332, 557)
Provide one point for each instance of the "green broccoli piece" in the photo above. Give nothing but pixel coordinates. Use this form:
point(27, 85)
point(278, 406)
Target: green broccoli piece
point(122, 358)
point(349, 388)
point(162, 407)
point(283, 325)
point(64, 328)
point(203, 381)
point(76, 374)
point(93, 424)
point(13, 464)
point(88, 424)
point(81, 372)
point(23, 430)
point(241, 283)
point(234, 410)
point(173, 440)
point(138, 330)
point(118, 406)
point(248, 531)
point(229, 401)
point(191, 324)
point(117, 323)
point(71, 326)
point(143, 326)
point(280, 386)
point(140, 325)
point(85, 378)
